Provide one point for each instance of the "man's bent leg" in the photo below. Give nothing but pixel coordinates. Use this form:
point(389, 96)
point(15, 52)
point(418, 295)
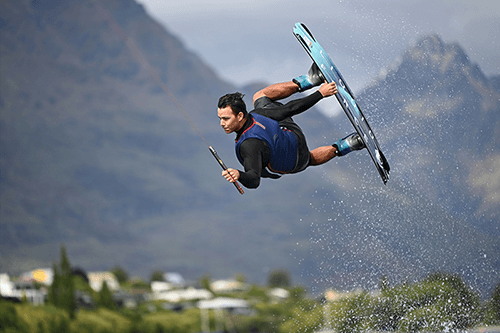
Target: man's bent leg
point(322, 155)
point(277, 91)
point(344, 146)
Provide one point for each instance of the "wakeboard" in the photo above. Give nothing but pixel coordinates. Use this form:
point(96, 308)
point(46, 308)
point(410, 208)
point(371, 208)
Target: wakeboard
point(344, 96)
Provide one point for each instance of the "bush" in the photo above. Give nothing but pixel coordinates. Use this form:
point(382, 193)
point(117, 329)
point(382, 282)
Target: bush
point(173, 322)
point(10, 321)
point(101, 320)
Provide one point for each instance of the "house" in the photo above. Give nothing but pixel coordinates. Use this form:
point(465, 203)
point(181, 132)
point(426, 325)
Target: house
point(20, 290)
point(129, 300)
point(42, 275)
point(96, 280)
point(220, 305)
point(228, 286)
point(278, 294)
point(179, 295)
point(160, 286)
point(232, 305)
point(175, 279)
point(6, 286)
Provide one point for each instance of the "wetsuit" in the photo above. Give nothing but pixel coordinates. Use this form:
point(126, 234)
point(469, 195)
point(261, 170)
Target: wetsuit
point(255, 154)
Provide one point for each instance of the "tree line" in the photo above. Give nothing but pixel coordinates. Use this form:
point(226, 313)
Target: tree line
point(439, 302)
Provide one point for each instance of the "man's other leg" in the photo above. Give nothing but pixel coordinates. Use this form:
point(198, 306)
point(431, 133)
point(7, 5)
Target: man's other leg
point(322, 155)
point(344, 146)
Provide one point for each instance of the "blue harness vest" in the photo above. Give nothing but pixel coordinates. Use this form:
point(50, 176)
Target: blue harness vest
point(281, 142)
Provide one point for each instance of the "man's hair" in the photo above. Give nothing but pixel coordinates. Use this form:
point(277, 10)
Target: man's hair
point(235, 101)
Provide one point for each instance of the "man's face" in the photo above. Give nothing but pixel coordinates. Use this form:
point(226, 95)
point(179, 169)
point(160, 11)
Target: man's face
point(229, 121)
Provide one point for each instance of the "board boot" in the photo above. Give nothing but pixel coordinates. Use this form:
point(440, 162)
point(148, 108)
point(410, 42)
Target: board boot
point(313, 78)
point(350, 143)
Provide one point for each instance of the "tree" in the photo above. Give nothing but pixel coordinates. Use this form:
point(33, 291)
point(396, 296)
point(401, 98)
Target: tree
point(205, 282)
point(279, 278)
point(383, 284)
point(106, 297)
point(495, 303)
point(120, 273)
point(62, 290)
point(53, 290)
point(241, 278)
point(462, 303)
point(138, 283)
point(298, 292)
point(156, 275)
point(77, 271)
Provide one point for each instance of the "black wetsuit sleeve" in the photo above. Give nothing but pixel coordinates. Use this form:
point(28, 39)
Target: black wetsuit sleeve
point(252, 152)
point(291, 108)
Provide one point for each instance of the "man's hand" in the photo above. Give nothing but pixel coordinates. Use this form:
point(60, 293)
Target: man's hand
point(328, 89)
point(231, 175)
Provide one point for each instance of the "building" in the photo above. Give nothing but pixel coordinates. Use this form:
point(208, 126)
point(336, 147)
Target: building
point(220, 305)
point(18, 291)
point(175, 279)
point(179, 295)
point(228, 286)
point(41, 275)
point(278, 294)
point(96, 280)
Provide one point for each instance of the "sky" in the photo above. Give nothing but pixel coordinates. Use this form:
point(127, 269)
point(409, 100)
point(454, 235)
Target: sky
point(251, 40)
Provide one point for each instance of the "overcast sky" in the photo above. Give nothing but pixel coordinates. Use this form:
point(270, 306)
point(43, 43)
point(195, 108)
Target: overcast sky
point(252, 40)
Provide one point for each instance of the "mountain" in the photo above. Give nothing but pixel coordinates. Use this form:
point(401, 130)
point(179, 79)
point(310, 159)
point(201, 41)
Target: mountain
point(94, 155)
point(442, 118)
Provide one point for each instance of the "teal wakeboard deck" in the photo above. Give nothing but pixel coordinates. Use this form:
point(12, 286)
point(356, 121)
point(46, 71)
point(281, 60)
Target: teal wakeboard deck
point(344, 96)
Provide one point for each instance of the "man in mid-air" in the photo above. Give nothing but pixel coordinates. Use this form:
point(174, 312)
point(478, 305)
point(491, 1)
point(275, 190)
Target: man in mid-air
point(268, 141)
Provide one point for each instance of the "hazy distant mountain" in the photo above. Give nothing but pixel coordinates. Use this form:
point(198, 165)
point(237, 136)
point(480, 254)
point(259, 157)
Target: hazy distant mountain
point(95, 155)
point(442, 118)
